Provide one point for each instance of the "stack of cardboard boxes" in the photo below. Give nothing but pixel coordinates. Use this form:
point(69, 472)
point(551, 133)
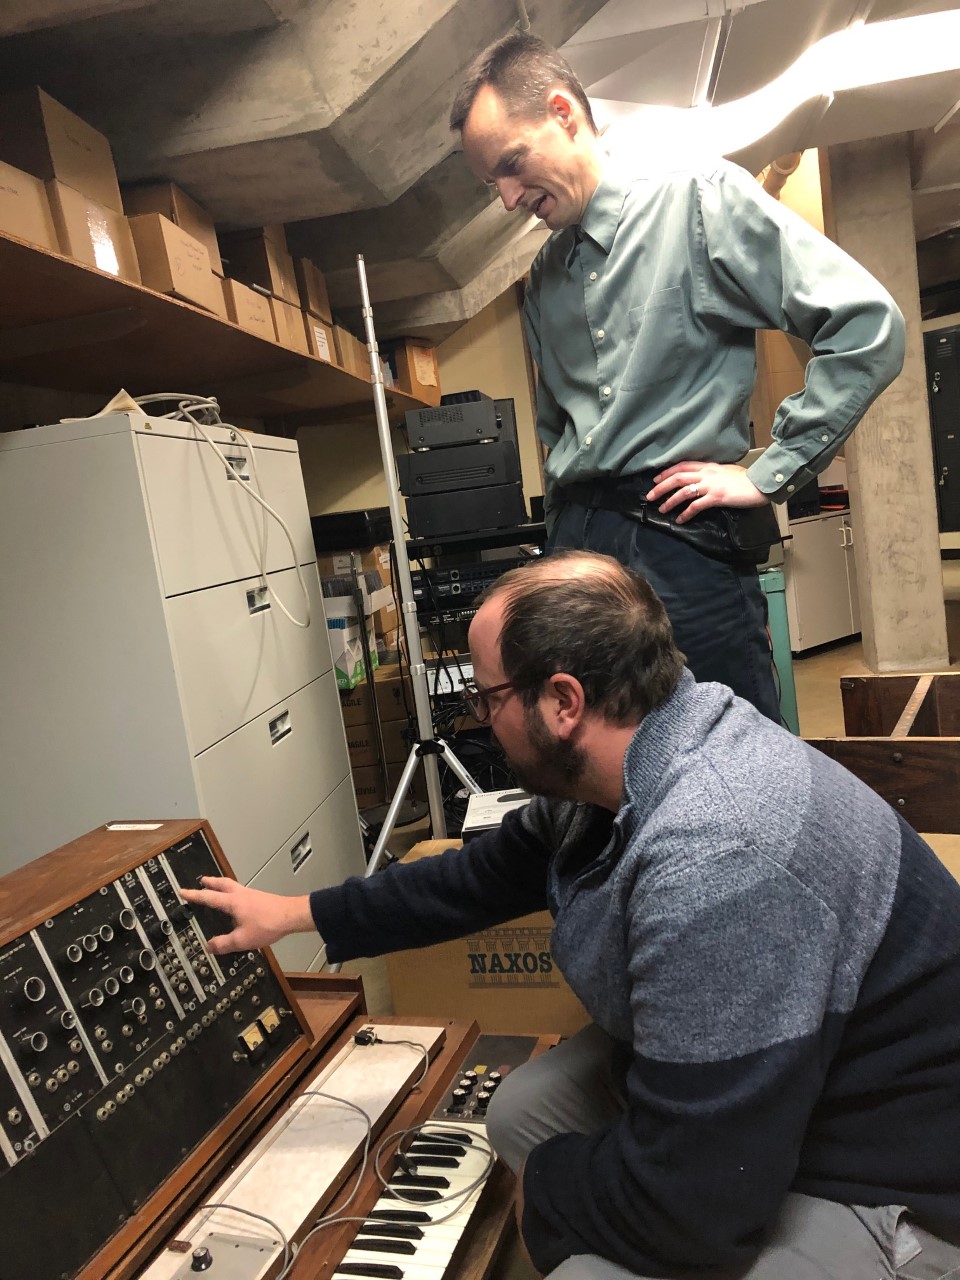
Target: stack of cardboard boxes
point(392, 702)
point(59, 190)
point(58, 184)
point(381, 618)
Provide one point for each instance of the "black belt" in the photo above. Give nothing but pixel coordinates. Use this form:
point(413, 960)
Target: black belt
point(738, 536)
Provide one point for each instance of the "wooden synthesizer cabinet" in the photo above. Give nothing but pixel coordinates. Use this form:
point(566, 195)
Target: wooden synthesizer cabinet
point(166, 1112)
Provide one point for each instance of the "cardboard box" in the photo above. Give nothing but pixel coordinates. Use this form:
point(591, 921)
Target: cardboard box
point(352, 354)
point(503, 977)
point(248, 309)
point(417, 370)
point(40, 136)
point(91, 233)
point(396, 739)
point(387, 618)
point(24, 208)
point(337, 564)
point(356, 705)
point(336, 605)
point(346, 650)
point(368, 785)
point(313, 289)
point(255, 259)
point(167, 198)
point(320, 341)
point(288, 321)
point(276, 233)
point(172, 261)
point(394, 694)
point(362, 745)
point(388, 646)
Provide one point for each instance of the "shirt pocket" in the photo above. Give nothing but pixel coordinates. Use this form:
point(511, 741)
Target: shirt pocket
point(655, 340)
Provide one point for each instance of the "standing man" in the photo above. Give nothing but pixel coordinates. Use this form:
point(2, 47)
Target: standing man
point(769, 954)
point(641, 312)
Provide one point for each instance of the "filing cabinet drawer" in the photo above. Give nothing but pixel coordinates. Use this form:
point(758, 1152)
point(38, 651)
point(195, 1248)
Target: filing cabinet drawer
point(323, 852)
point(206, 529)
point(236, 653)
point(259, 784)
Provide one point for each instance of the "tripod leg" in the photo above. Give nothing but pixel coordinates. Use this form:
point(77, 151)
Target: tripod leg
point(452, 763)
point(390, 821)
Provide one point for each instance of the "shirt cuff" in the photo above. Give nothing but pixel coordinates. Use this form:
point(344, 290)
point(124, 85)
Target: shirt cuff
point(778, 474)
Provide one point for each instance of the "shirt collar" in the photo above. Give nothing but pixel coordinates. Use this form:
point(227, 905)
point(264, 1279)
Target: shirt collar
point(602, 215)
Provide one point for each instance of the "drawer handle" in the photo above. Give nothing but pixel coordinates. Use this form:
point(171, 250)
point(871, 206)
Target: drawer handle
point(301, 851)
point(280, 727)
point(258, 600)
point(236, 466)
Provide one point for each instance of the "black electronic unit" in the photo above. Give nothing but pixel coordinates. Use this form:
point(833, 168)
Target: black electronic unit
point(351, 530)
point(469, 466)
point(496, 506)
point(453, 424)
point(465, 418)
point(435, 589)
point(942, 351)
point(805, 502)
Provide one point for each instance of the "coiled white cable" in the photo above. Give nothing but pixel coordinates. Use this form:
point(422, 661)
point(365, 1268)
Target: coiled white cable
point(187, 410)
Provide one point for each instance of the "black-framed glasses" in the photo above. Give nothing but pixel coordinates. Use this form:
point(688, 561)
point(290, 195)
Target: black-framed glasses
point(476, 699)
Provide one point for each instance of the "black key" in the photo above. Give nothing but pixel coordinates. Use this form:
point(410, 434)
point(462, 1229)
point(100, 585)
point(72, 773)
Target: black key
point(432, 1162)
point(410, 1193)
point(386, 1246)
point(437, 1148)
point(400, 1215)
point(382, 1270)
point(453, 1135)
point(420, 1180)
point(394, 1230)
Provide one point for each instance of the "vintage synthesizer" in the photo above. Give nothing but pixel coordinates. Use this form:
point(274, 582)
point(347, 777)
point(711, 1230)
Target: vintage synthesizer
point(165, 1112)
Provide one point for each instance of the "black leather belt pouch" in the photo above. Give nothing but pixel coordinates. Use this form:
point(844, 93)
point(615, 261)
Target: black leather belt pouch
point(739, 536)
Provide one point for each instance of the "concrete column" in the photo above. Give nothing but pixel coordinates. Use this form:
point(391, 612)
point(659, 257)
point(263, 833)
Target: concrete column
point(868, 211)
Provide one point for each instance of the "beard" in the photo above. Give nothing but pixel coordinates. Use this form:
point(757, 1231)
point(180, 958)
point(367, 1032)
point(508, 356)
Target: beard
point(554, 766)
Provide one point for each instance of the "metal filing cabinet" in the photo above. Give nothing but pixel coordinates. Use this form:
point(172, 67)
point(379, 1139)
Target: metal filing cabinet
point(146, 673)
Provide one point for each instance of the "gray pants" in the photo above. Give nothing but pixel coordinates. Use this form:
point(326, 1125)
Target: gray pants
point(572, 1089)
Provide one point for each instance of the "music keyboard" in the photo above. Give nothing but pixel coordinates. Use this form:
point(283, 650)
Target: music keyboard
point(413, 1230)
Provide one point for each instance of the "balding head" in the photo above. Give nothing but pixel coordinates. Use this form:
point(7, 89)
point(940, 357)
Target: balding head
point(588, 616)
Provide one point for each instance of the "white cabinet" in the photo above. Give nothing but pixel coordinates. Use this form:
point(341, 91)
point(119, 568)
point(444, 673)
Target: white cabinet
point(146, 672)
point(820, 571)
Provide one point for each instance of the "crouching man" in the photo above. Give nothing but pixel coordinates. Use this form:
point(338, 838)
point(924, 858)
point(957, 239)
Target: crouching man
point(770, 1089)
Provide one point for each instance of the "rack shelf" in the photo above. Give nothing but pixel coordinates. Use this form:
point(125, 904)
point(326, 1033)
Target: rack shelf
point(72, 327)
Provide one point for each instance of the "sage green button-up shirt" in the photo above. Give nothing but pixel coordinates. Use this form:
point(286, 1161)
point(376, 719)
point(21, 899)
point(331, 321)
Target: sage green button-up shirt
point(642, 322)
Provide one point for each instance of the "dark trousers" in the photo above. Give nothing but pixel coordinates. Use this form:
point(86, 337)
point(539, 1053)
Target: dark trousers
point(718, 612)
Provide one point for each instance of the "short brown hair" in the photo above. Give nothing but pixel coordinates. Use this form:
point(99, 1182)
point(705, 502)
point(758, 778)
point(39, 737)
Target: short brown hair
point(591, 617)
point(521, 68)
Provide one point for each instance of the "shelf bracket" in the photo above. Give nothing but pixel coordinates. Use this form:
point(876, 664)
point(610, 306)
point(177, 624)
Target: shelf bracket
point(50, 336)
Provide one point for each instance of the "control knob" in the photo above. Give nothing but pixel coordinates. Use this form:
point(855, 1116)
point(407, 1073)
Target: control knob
point(466, 1084)
point(137, 1005)
point(34, 989)
point(458, 1099)
point(483, 1099)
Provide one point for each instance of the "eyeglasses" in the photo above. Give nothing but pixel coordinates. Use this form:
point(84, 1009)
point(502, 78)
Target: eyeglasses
point(476, 699)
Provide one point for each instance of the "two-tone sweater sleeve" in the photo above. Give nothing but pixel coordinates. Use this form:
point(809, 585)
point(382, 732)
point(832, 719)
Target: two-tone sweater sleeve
point(731, 1043)
point(496, 877)
point(763, 267)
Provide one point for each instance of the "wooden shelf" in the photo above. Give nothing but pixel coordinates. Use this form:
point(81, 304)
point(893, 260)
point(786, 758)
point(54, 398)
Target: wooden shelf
point(72, 327)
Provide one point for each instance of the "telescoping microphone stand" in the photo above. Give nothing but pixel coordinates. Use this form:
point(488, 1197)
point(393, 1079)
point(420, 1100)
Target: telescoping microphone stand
point(427, 749)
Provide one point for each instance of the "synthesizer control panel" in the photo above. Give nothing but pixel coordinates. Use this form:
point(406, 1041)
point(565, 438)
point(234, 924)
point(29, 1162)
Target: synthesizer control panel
point(123, 1042)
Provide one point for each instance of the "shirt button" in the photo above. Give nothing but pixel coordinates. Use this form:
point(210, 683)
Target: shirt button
point(824, 438)
point(779, 478)
point(600, 333)
point(790, 488)
point(588, 440)
point(593, 275)
point(606, 391)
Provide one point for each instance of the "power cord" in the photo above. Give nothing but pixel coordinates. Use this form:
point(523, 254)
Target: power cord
point(189, 409)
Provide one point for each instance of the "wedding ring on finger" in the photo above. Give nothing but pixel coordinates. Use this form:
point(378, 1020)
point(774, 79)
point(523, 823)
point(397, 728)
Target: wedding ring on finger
point(696, 491)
